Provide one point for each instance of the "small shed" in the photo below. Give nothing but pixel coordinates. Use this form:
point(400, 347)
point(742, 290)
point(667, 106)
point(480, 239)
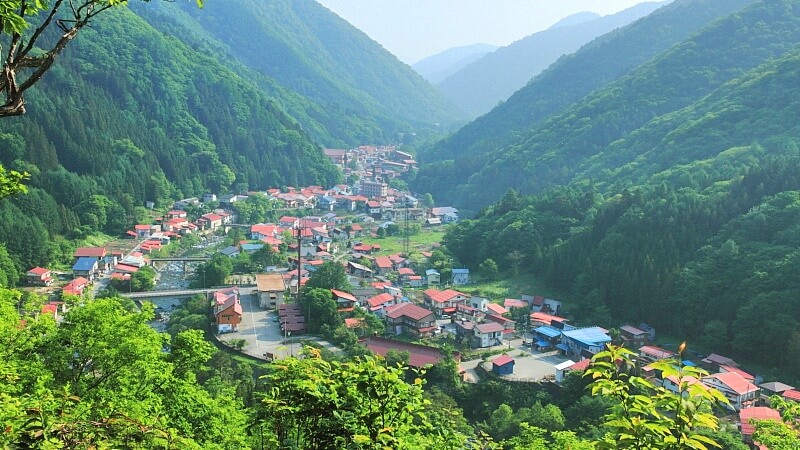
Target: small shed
point(460, 277)
point(562, 369)
point(503, 365)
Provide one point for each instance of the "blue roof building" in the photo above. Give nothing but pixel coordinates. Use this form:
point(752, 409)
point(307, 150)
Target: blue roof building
point(250, 248)
point(583, 342)
point(460, 276)
point(546, 337)
point(85, 266)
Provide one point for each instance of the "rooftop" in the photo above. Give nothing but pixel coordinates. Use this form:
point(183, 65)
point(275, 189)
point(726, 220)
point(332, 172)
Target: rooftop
point(438, 296)
point(270, 282)
point(380, 299)
point(734, 382)
point(409, 310)
point(502, 360)
point(489, 327)
point(720, 360)
point(418, 355)
point(656, 352)
point(496, 308)
point(632, 330)
point(756, 413)
point(343, 295)
point(85, 263)
point(592, 336)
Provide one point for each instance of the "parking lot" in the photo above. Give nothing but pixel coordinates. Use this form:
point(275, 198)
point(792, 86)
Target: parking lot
point(262, 332)
point(531, 366)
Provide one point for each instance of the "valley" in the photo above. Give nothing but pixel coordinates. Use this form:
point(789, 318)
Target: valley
point(587, 239)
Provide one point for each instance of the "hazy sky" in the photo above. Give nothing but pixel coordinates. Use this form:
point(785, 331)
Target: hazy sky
point(415, 29)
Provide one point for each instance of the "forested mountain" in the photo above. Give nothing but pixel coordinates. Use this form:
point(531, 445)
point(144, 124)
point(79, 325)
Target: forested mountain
point(160, 102)
point(129, 115)
point(351, 90)
point(436, 68)
point(572, 77)
point(687, 218)
point(478, 87)
point(578, 138)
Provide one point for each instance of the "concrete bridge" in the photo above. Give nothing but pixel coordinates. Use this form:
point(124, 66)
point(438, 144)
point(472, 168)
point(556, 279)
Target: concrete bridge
point(167, 293)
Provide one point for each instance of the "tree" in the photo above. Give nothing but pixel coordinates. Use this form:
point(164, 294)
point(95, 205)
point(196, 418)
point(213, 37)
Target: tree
point(214, 272)
point(535, 438)
point(189, 352)
point(143, 280)
point(515, 259)
point(330, 275)
point(11, 180)
point(489, 269)
point(101, 379)
point(779, 435)
point(27, 55)
point(646, 416)
point(265, 256)
point(320, 310)
point(427, 200)
point(362, 404)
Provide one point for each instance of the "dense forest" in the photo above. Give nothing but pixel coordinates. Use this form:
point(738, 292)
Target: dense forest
point(596, 65)
point(688, 222)
point(114, 125)
point(343, 87)
point(153, 104)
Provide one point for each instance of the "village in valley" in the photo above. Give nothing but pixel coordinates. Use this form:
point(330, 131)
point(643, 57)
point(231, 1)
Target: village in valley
point(429, 308)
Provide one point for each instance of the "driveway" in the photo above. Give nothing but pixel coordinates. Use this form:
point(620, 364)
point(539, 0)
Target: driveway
point(262, 333)
point(531, 366)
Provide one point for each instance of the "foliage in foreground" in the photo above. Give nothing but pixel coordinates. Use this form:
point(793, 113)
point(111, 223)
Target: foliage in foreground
point(362, 404)
point(648, 417)
point(101, 379)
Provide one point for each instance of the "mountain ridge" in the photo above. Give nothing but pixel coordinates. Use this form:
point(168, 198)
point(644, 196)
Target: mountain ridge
point(502, 72)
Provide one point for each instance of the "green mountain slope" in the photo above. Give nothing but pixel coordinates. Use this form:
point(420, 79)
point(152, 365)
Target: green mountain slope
point(129, 115)
point(354, 88)
point(569, 79)
point(478, 87)
point(696, 234)
point(563, 145)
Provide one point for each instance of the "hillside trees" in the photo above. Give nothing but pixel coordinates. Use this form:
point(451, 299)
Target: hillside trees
point(101, 379)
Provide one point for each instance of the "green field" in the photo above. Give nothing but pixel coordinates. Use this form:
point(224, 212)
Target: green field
point(511, 287)
point(425, 240)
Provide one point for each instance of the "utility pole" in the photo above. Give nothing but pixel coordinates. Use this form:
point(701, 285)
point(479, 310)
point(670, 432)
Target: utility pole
point(407, 233)
point(299, 297)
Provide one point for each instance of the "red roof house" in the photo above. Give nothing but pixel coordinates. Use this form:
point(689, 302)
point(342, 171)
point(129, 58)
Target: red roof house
point(418, 355)
point(444, 302)
point(740, 392)
point(39, 276)
point(410, 318)
point(344, 301)
point(747, 415)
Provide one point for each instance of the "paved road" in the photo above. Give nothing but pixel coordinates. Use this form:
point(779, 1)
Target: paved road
point(262, 333)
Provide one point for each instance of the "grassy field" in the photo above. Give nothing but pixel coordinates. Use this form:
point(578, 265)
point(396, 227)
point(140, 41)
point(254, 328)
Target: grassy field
point(511, 287)
point(422, 241)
